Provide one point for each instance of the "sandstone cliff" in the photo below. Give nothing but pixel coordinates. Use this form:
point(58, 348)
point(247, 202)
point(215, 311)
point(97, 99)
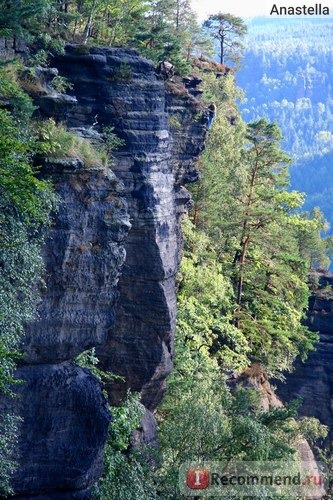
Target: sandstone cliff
point(312, 381)
point(111, 258)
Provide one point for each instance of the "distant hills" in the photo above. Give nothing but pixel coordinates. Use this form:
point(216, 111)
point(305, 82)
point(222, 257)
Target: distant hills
point(287, 76)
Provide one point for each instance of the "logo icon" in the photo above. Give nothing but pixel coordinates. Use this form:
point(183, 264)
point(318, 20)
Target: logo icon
point(197, 478)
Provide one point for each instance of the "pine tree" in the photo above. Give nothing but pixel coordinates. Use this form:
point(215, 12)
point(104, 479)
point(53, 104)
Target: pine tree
point(262, 239)
point(228, 30)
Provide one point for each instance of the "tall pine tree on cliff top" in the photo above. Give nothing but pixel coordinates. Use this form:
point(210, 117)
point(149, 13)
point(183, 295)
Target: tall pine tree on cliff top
point(228, 30)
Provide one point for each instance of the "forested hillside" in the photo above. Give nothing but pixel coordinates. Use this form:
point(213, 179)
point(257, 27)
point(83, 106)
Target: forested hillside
point(287, 76)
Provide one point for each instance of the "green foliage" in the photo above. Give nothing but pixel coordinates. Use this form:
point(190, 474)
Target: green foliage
point(174, 122)
point(206, 302)
point(18, 18)
point(127, 474)
point(25, 204)
point(55, 140)
point(53, 44)
point(201, 420)
point(61, 84)
point(122, 74)
point(40, 58)
point(117, 23)
point(228, 30)
point(89, 360)
point(325, 456)
point(264, 243)
point(9, 430)
point(12, 93)
point(19, 188)
point(112, 141)
point(312, 430)
point(160, 30)
point(20, 268)
point(126, 418)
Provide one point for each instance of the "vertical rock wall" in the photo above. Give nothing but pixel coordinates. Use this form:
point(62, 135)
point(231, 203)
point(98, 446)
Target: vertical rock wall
point(312, 381)
point(65, 415)
point(115, 87)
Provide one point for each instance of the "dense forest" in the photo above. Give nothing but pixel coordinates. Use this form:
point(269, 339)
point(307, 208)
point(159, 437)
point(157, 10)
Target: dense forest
point(289, 79)
point(248, 247)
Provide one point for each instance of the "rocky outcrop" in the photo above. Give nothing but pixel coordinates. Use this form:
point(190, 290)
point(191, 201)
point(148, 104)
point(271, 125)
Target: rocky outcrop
point(255, 378)
point(312, 381)
point(63, 432)
point(11, 47)
point(83, 256)
point(65, 415)
point(163, 129)
point(90, 265)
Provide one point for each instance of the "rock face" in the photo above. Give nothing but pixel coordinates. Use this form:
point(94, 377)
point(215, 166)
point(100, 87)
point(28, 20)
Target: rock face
point(83, 256)
point(89, 265)
point(11, 47)
point(163, 129)
point(313, 380)
point(65, 416)
point(64, 428)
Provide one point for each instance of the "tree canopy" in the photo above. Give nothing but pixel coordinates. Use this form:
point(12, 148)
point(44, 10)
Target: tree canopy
point(228, 30)
point(257, 227)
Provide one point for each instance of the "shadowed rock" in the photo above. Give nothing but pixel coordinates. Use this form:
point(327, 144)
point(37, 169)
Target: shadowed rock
point(83, 255)
point(63, 432)
point(312, 381)
point(65, 419)
point(115, 87)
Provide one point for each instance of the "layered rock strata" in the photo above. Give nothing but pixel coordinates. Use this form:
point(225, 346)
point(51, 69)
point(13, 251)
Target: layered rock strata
point(163, 128)
point(65, 416)
point(312, 381)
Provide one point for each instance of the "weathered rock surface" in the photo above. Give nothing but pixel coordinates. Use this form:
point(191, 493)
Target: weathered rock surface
point(64, 429)
point(313, 380)
point(163, 134)
point(11, 47)
point(65, 419)
point(255, 378)
point(83, 255)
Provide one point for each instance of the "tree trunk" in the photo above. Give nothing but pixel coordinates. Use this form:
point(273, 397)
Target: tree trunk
point(222, 50)
point(241, 270)
point(196, 215)
point(177, 14)
point(89, 23)
point(240, 256)
point(74, 29)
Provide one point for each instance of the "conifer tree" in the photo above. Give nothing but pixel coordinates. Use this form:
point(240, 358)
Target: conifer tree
point(262, 239)
point(228, 30)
